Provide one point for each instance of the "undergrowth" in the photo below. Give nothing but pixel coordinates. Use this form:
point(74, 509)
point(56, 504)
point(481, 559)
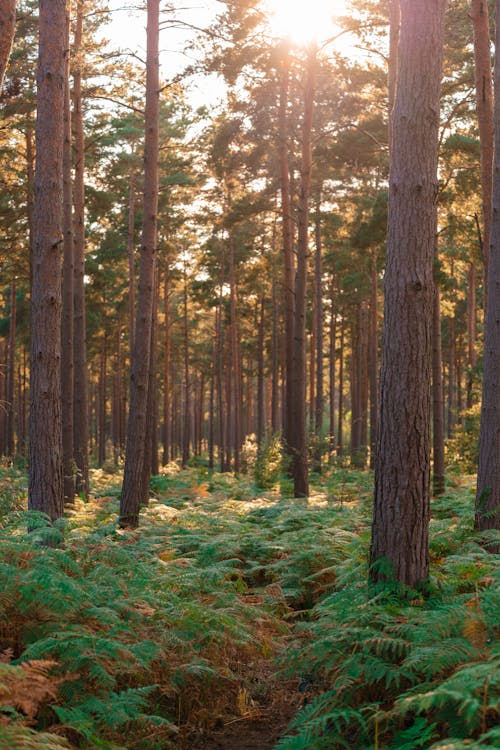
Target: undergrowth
point(153, 638)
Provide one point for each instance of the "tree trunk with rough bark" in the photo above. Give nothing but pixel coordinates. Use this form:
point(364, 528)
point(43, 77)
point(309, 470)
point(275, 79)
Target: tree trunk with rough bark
point(399, 546)
point(133, 479)
point(67, 354)
point(488, 478)
point(297, 436)
point(484, 108)
point(46, 491)
point(80, 374)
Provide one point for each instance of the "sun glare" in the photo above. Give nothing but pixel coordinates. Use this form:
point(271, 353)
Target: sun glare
point(301, 21)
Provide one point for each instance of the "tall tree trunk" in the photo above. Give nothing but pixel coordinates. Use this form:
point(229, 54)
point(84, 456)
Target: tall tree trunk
point(131, 257)
point(488, 478)
point(151, 448)
point(67, 354)
point(287, 241)
point(166, 370)
point(80, 425)
point(133, 479)
point(7, 30)
point(235, 359)
point(10, 447)
point(340, 430)
point(260, 376)
point(484, 109)
point(452, 404)
point(331, 366)
point(298, 437)
point(186, 433)
point(373, 354)
point(399, 546)
point(275, 420)
point(46, 492)
point(471, 331)
point(438, 476)
point(318, 285)
point(101, 432)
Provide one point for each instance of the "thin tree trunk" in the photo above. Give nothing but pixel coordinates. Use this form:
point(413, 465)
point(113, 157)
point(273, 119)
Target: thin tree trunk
point(186, 436)
point(166, 370)
point(484, 109)
point(298, 436)
point(67, 354)
point(101, 433)
point(260, 376)
point(11, 372)
point(438, 477)
point(452, 407)
point(46, 491)
point(318, 283)
point(287, 240)
point(373, 346)
point(236, 359)
point(275, 420)
point(340, 430)
point(331, 368)
point(131, 257)
point(471, 331)
point(80, 424)
point(134, 474)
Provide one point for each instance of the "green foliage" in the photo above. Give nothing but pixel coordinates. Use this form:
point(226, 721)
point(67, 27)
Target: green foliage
point(406, 673)
point(462, 450)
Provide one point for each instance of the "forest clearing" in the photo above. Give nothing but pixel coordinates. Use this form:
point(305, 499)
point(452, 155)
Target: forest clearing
point(249, 374)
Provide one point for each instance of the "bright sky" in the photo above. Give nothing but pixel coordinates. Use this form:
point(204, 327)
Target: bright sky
point(302, 21)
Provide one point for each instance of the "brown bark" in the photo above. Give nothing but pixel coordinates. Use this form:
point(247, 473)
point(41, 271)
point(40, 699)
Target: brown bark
point(235, 360)
point(186, 432)
point(101, 405)
point(287, 240)
point(260, 376)
point(297, 437)
point(80, 375)
point(133, 479)
point(399, 547)
point(471, 331)
point(438, 476)
point(488, 478)
point(131, 257)
point(484, 109)
point(46, 491)
point(331, 366)
point(67, 364)
point(166, 370)
point(318, 354)
point(340, 430)
point(373, 358)
point(7, 31)
point(275, 420)
point(10, 405)
point(452, 405)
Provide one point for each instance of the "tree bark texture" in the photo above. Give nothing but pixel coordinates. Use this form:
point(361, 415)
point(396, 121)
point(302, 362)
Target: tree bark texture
point(488, 478)
point(136, 430)
point(297, 437)
point(46, 468)
point(402, 470)
point(484, 109)
point(438, 475)
point(80, 374)
point(67, 364)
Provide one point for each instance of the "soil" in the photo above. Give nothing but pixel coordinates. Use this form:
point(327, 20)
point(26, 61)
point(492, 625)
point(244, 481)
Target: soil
point(261, 730)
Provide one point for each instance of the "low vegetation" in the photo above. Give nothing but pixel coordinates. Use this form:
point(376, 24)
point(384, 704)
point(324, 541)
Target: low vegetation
point(232, 605)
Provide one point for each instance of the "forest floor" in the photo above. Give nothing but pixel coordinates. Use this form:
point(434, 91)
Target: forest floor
point(233, 611)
